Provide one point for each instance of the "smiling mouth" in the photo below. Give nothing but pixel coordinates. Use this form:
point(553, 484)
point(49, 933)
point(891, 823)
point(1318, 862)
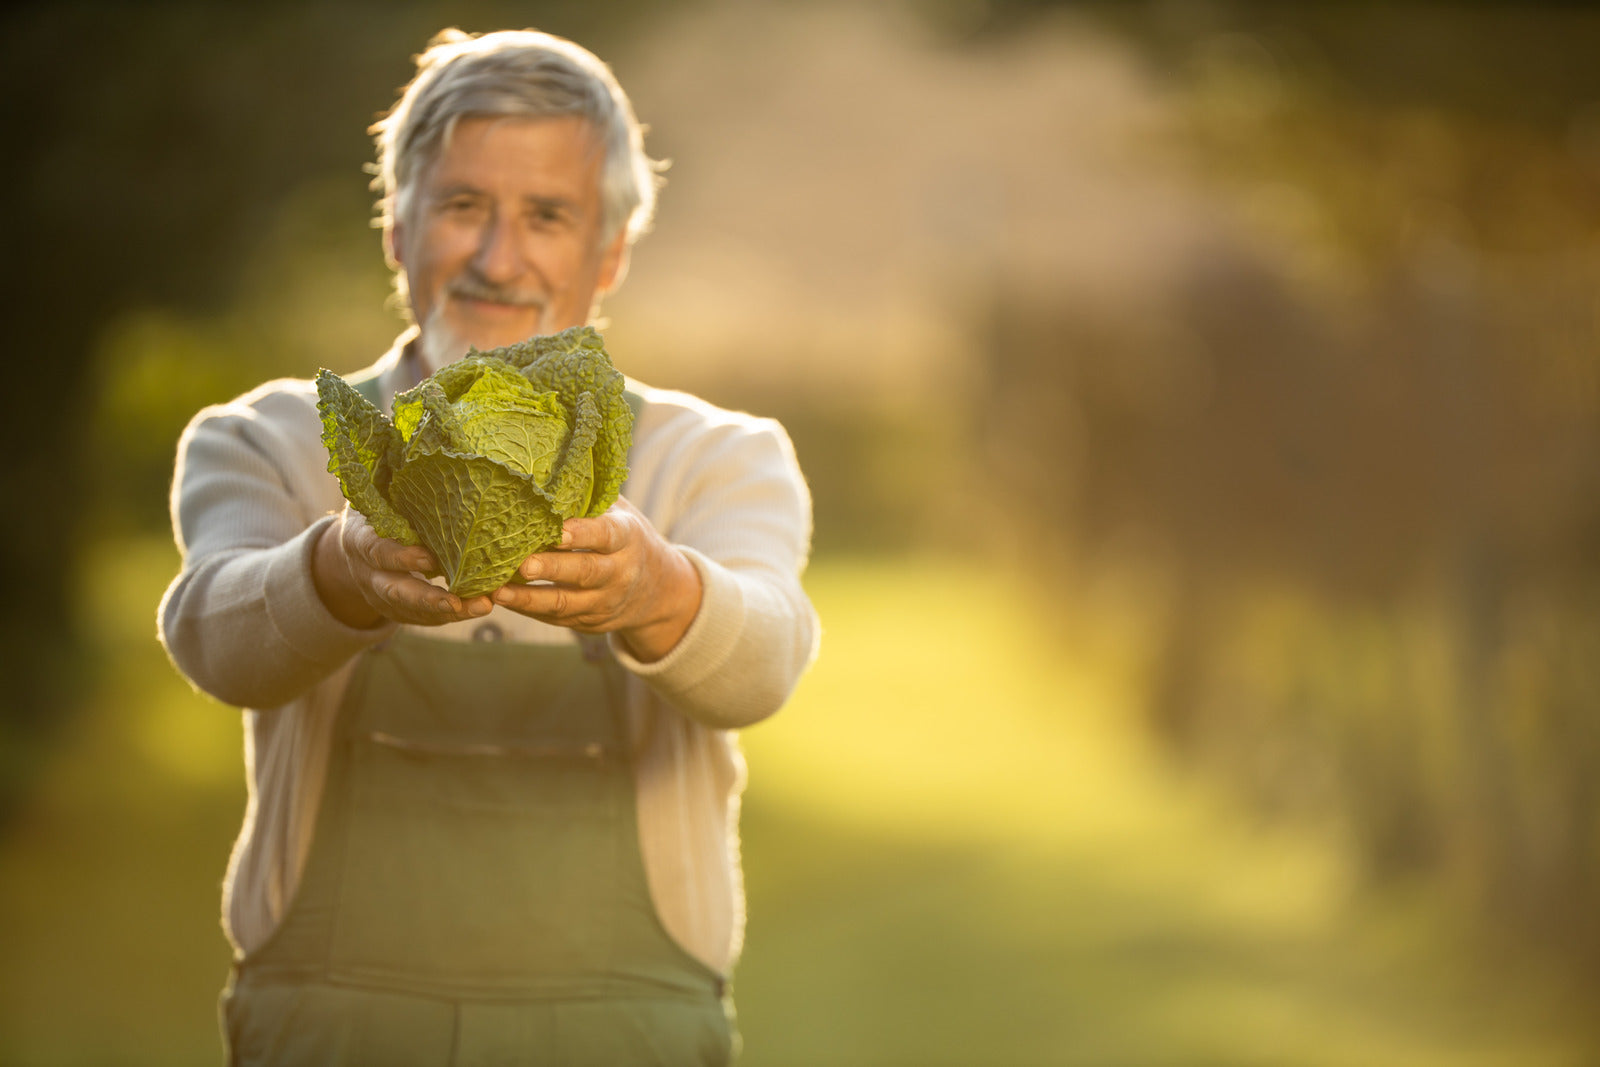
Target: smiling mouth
point(502, 306)
point(478, 292)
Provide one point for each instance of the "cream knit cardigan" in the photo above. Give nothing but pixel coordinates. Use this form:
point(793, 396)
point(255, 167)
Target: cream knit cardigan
point(242, 621)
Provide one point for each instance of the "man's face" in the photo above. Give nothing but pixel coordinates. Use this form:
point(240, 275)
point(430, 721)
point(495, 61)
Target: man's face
point(502, 238)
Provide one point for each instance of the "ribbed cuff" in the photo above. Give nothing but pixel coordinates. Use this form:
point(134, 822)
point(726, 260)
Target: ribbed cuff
point(705, 647)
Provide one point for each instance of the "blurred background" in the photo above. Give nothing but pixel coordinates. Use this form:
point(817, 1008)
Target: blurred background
point(1201, 402)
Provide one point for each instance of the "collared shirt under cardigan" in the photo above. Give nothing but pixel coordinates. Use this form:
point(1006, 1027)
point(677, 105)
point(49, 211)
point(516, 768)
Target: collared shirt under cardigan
point(242, 621)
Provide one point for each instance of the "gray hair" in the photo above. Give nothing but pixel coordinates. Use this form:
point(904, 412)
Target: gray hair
point(515, 73)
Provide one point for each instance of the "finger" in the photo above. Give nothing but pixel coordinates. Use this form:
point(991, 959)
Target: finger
point(357, 537)
point(363, 542)
point(393, 556)
point(477, 606)
point(404, 592)
point(408, 599)
point(584, 570)
point(603, 533)
point(551, 603)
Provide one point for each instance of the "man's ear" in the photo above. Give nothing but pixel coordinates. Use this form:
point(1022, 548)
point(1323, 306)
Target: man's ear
point(613, 264)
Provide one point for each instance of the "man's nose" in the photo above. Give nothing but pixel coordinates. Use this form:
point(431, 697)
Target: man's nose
point(498, 259)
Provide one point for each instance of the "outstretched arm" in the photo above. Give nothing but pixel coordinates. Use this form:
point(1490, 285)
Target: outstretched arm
point(697, 575)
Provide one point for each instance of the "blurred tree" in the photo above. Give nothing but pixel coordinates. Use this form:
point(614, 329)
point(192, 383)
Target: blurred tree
point(1378, 390)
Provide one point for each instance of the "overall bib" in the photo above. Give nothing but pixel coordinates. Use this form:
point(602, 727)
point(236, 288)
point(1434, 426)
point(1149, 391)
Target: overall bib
point(475, 892)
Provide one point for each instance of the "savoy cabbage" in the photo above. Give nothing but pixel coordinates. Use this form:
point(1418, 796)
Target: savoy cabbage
point(484, 460)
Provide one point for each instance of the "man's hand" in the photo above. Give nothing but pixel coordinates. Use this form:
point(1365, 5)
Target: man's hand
point(365, 579)
point(613, 574)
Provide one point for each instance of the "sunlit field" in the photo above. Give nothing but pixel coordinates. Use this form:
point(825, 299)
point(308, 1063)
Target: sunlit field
point(957, 852)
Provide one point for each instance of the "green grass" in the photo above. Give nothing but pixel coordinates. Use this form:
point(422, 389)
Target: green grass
point(110, 879)
point(958, 852)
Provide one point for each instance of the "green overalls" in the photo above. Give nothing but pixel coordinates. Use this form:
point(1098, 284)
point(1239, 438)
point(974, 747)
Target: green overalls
point(475, 893)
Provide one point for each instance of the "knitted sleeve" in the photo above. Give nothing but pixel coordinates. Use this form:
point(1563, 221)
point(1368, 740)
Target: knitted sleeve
point(242, 620)
point(728, 491)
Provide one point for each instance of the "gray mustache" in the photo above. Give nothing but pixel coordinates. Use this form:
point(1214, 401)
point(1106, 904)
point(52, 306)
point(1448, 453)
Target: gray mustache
point(475, 289)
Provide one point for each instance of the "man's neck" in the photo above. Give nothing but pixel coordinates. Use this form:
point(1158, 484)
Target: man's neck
point(412, 366)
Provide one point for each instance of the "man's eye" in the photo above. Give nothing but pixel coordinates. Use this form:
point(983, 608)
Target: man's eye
point(459, 205)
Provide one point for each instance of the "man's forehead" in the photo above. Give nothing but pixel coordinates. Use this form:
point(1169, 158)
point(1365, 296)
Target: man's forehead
point(562, 161)
point(568, 130)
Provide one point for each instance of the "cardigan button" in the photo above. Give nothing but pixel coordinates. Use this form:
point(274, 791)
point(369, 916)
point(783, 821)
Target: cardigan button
point(488, 631)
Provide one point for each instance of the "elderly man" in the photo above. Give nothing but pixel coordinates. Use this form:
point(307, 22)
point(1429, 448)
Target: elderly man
point(500, 829)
